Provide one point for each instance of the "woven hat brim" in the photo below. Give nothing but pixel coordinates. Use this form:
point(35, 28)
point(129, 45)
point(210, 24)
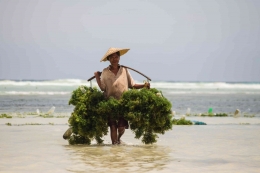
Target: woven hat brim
point(114, 50)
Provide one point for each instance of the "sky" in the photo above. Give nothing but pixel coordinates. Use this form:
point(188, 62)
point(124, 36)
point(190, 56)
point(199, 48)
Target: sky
point(169, 40)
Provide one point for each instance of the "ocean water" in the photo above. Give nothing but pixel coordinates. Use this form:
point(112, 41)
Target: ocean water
point(27, 96)
point(31, 142)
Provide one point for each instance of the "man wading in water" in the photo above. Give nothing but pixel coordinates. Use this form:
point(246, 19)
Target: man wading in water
point(115, 80)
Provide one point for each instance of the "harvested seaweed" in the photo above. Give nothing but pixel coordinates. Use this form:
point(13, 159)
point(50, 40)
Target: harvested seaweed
point(148, 113)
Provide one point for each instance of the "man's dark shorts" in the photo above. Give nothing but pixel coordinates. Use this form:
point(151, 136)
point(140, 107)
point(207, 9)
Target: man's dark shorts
point(120, 123)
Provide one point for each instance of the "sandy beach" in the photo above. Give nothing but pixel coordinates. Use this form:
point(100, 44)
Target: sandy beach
point(35, 144)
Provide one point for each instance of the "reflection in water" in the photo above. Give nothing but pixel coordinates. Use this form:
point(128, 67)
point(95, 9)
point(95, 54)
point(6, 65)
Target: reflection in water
point(122, 158)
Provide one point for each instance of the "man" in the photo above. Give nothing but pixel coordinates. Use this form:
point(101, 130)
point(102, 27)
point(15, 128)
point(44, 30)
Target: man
point(115, 80)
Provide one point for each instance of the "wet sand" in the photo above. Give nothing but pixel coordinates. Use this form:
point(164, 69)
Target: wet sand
point(226, 144)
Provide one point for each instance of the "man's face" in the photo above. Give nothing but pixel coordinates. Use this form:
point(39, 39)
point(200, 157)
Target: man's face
point(114, 58)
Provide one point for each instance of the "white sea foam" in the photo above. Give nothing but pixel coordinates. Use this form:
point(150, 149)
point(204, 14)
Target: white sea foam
point(60, 82)
point(211, 92)
point(156, 84)
point(66, 86)
point(33, 93)
point(199, 85)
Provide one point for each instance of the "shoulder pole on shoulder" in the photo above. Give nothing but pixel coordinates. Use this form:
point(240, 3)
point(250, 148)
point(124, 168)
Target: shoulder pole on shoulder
point(130, 69)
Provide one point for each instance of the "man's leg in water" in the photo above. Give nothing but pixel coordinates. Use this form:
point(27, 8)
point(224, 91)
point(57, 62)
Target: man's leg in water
point(121, 131)
point(113, 134)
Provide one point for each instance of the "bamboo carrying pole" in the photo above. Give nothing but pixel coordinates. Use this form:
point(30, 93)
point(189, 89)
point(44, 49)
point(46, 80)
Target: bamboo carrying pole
point(130, 69)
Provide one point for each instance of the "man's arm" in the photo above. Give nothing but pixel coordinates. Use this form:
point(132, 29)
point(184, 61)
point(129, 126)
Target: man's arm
point(97, 76)
point(138, 86)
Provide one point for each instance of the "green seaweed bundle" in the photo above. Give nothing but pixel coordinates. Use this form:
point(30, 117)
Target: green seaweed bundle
point(181, 121)
point(87, 124)
point(146, 110)
point(148, 113)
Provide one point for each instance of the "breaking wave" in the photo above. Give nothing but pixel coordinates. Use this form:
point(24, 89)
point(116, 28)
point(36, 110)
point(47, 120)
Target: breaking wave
point(66, 86)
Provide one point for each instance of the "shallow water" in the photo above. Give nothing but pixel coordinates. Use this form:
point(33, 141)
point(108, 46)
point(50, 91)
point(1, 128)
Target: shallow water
point(218, 147)
point(226, 144)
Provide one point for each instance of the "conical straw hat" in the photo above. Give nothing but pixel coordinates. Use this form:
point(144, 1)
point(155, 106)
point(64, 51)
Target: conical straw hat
point(114, 50)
